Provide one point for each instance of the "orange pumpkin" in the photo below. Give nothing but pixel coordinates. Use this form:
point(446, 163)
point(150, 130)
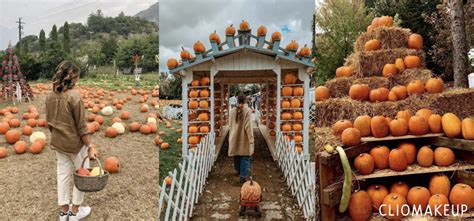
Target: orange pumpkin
point(134, 126)
point(297, 115)
point(360, 205)
point(425, 113)
point(244, 25)
point(400, 64)
point(165, 146)
point(286, 91)
point(377, 193)
point(172, 63)
point(321, 93)
point(285, 104)
point(364, 163)
point(418, 197)
point(462, 194)
point(437, 203)
point(214, 37)
point(261, 31)
point(393, 208)
point(286, 127)
point(405, 114)
point(27, 130)
point(451, 125)
point(362, 123)
point(378, 95)
point(415, 41)
point(295, 103)
point(380, 154)
point(3, 152)
point(412, 61)
point(439, 184)
point(4, 127)
point(467, 128)
point(400, 188)
point(193, 140)
point(193, 93)
point(15, 122)
point(290, 78)
point(340, 126)
point(203, 104)
point(434, 85)
point(397, 160)
point(359, 92)
point(443, 156)
point(111, 132)
point(425, 156)
point(350, 137)
point(199, 47)
point(418, 125)
point(415, 87)
point(12, 136)
point(184, 54)
point(276, 36)
point(36, 147)
point(193, 104)
point(389, 70)
point(205, 81)
point(19, 147)
point(298, 91)
point(297, 126)
point(385, 21)
point(379, 126)
point(203, 129)
point(230, 30)
point(372, 45)
point(410, 151)
point(195, 83)
point(145, 129)
point(203, 117)
point(398, 127)
point(250, 191)
point(112, 165)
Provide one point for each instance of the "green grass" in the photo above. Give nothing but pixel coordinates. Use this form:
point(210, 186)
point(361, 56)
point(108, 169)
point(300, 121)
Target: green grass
point(170, 158)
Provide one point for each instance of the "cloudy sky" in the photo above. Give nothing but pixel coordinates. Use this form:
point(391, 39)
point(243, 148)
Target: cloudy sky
point(183, 22)
point(43, 14)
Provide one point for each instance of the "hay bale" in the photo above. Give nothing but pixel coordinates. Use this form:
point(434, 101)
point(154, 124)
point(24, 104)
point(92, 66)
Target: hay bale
point(391, 37)
point(323, 136)
point(459, 101)
point(411, 74)
point(373, 82)
point(367, 64)
point(339, 87)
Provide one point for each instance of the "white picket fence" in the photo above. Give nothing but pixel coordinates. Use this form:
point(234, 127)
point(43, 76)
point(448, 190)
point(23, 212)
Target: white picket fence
point(178, 199)
point(299, 174)
point(170, 112)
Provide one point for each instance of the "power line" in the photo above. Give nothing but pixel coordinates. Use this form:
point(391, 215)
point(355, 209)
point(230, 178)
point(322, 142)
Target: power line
point(48, 9)
point(20, 27)
point(40, 17)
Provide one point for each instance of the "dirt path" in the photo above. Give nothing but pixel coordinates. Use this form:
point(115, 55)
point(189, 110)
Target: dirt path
point(220, 199)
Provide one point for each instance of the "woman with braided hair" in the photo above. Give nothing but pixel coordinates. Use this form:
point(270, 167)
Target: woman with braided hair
point(65, 114)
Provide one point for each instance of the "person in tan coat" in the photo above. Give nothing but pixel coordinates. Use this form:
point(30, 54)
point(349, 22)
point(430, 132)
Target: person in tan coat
point(241, 141)
point(65, 114)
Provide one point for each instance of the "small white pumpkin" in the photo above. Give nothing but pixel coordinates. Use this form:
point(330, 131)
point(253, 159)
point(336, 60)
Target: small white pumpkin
point(107, 110)
point(151, 119)
point(157, 106)
point(37, 135)
point(119, 127)
point(145, 105)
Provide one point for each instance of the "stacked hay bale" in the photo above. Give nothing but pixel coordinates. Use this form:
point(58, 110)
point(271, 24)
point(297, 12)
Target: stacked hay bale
point(366, 66)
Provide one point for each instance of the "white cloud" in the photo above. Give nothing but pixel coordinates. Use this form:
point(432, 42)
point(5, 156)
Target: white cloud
point(183, 22)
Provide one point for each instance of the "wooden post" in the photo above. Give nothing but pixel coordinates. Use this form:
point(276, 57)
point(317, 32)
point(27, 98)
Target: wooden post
point(276, 46)
point(188, 77)
point(326, 176)
point(277, 70)
point(292, 54)
point(199, 56)
point(213, 73)
point(261, 41)
point(230, 41)
point(214, 46)
point(302, 75)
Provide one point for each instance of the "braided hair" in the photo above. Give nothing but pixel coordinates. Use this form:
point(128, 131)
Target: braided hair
point(65, 76)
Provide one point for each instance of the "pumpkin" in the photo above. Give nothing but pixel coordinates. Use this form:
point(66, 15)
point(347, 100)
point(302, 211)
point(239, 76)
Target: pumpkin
point(99, 119)
point(360, 206)
point(418, 197)
point(3, 152)
point(400, 188)
point(31, 122)
point(194, 93)
point(443, 156)
point(298, 91)
point(261, 30)
point(415, 87)
point(4, 127)
point(297, 126)
point(295, 103)
point(378, 95)
point(364, 163)
point(134, 126)
point(124, 115)
point(285, 104)
point(107, 111)
point(389, 70)
point(184, 54)
point(372, 45)
point(350, 137)
point(392, 96)
point(425, 156)
point(462, 194)
point(205, 81)
point(380, 154)
point(467, 128)
point(359, 92)
point(203, 104)
point(385, 21)
point(393, 206)
point(415, 41)
point(400, 65)
point(165, 146)
point(292, 46)
point(193, 140)
point(12, 136)
point(410, 150)
point(193, 104)
point(437, 203)
point(151, 120)
point(19, 147)
point(244, 25)
point(339, 72)
point(321, 93)
point(276, 36)
point(398, 127)
point(347, 71)
point(112, 165)
point(230, 30)
point(198, 47)
point(27, 130)
point(418, 125)
point(250, 191)
point(297, 115)
point(425, 113)
point(119, 127)
point(362, 123)
point(195, 83)
point(377, 193)
point(340, 126)
point(15, 122)
point(405, 114)
point(192, 129)
point(36, 147)
point(451, 125)
point(145, 129)
point(434, 85)
point(203, 117)
point(203, 129)
point(397, 160)
point(305, 51)
point(111, 132)
point(379, 126)
point(172, 63)
point(298, 138)
point(286, 91)
point(439, 184)
point(286, 127)
point(412, 61)
point(286, 116)
point(37, 135)
point(375, 22)
point(214, 37)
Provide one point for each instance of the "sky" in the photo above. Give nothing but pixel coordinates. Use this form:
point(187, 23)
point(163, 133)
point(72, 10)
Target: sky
point(43, 14)
point(183, 22)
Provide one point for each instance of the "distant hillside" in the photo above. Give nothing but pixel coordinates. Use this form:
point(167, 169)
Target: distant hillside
point(150, 14)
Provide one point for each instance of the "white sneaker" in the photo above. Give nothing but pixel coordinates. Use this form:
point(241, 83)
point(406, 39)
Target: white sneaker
point(82, 212)
point(63, 216)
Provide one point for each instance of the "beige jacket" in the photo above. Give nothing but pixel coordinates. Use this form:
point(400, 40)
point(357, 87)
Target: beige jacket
point(66, 118)
point(241, 141)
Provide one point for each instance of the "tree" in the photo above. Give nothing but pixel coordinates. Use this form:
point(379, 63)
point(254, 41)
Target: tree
point(54, 37)
point(66, 38)
point(42, 41)
point(460, 47)
point(338, 23)
point(109, 49)
point(50, 60)
point(146, 47)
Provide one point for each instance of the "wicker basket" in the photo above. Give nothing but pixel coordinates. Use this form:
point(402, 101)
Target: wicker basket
point(91, 183)
point(466, 176)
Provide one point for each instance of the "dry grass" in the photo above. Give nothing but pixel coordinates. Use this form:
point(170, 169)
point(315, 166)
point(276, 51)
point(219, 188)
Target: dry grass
point(391, 37)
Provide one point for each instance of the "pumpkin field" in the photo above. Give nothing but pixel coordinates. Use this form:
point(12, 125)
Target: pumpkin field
point(29, 180)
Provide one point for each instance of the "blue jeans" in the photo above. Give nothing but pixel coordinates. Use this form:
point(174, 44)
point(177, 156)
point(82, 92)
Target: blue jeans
point(242, 165)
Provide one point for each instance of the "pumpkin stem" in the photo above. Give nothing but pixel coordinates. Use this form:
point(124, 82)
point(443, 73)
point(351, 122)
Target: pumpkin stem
point(182, 48)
